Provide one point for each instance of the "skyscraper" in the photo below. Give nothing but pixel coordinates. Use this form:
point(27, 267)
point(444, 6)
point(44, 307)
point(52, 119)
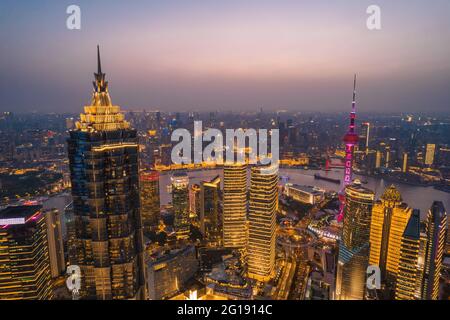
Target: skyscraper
point(405, 162)
point(194, 202)
point(150, 203)
point(210, 225)
point(354, 245)
point(103, 158)
point(235, 205)
point(429, 155)
point(389, 219)
point(436, 228)
point(180, 202)
point(25, 263)
point(407, 275)
point(364, 137)
point(350, 140)
point(263, 205)
point(378, 160)
point(55, 242)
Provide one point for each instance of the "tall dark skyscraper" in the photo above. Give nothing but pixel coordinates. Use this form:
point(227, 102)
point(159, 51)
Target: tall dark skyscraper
point(25, 263)
point(150, 200)
point(103, 157)
point(436, 228)
point(354, 245)
point(210, 225)
point(180, 202)
point(408, 275)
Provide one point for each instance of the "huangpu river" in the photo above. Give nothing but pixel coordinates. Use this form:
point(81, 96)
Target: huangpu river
point(415, 196)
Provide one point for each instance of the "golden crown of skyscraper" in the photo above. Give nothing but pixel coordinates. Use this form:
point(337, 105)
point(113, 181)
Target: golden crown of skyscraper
point(101, 115)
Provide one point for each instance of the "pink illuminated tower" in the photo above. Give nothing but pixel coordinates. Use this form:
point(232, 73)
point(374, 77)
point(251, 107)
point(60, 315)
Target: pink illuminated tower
point(350, 139)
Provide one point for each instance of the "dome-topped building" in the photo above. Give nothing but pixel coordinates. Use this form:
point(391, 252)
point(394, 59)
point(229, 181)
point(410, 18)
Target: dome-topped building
point(390, 217)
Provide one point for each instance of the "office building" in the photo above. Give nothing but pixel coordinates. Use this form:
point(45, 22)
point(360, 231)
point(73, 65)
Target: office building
point(304, 194)
point(389, 219)
point(168, 272)
point(405, 162)
point(150, 201)
point(194, 202)
point(408, 264)
point(235, 205)
point(436, 231)
point(180, 203)
point(55, 243)
point(354, 245)
point(429, 155)
point(378, 160)
point(263, 206)
point(24, 255)
point(210, 224)
point(103, 159)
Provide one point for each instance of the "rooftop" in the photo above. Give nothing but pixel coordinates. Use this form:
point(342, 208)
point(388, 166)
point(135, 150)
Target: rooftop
point(310, 189)
point(18, 214)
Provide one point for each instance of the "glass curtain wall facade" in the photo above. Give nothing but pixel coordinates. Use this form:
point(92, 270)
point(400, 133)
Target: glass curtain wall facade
point(103, 157)
point(235, 206)
point(354, 245)
point(24, 255)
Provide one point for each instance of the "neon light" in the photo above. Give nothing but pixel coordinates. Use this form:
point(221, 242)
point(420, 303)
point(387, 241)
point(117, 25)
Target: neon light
point(350, 140)
point(12, 221)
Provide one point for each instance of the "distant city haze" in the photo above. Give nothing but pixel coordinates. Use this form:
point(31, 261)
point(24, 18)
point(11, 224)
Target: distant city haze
point(186, 55)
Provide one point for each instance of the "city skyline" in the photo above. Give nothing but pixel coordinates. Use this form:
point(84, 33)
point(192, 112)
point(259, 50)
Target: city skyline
point(197, 55)
point(108, 204)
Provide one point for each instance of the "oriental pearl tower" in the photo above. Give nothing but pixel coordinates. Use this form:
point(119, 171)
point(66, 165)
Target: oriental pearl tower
point(350, 140)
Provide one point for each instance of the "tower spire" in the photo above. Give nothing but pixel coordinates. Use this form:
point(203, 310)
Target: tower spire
point(100, 85)
point(99, 63)
point(354, 94)
point(350, 140)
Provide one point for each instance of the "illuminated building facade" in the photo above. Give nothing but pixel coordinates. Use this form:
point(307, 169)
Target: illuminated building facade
point(25, 263)
point(405, 162)
point(407, 273)
point(429, 155)
point(168, 273)
point(389, 219)
point(350, 140)
point(378, 160)
point(354, 245)
point(210, 225)
point(235, 205)
point(263, 206)
point(150, 203)
point(305, 194)
point(364, 137)
point(180, 203)
point(436, 228)
point(55, 242)
point(103, 158)
point(71, 245)
point(194, 201)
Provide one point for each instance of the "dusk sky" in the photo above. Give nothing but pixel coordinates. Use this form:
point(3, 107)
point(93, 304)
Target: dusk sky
point(184, 55)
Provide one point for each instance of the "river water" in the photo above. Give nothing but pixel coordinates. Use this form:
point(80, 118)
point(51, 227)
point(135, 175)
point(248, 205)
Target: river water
point(415, 196)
